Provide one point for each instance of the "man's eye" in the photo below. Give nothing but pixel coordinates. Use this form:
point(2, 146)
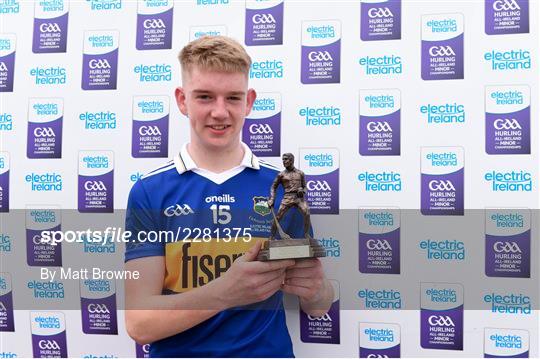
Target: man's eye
point(234, 98)
point(203, 97)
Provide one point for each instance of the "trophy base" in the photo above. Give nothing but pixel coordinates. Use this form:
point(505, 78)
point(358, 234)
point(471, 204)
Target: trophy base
point(290, 249)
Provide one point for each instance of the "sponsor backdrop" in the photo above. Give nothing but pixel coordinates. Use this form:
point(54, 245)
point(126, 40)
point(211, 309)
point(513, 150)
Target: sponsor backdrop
point(388, 105)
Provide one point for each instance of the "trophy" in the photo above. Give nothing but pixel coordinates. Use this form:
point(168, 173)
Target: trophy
point(294, 185)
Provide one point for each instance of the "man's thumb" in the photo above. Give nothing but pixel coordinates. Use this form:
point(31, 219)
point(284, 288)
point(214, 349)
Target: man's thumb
point(252, 253)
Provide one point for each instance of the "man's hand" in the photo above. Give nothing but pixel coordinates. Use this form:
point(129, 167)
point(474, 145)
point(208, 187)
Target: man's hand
point(249, 281)
point(270, 202)
point(306, 280)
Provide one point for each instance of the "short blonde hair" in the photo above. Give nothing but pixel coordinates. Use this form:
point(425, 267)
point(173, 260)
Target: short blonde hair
point(217, 53)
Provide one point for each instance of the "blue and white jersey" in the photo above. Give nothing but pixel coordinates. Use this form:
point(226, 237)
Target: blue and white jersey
point(211, 219)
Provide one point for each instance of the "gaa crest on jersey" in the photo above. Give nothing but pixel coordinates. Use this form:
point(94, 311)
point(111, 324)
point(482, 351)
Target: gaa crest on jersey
point(260, 205)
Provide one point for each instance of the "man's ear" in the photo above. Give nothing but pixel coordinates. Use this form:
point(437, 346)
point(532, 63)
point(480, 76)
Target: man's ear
point(250, 99)
point(180, 95)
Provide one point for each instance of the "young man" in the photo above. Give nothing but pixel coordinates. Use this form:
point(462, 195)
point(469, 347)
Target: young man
point(186, 302)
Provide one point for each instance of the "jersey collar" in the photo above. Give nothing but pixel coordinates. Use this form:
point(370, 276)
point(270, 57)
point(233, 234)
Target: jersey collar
point(184, 162)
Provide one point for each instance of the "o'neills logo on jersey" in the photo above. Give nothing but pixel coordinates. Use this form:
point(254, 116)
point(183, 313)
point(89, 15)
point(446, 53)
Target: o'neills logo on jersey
point(224, 198)
point(9, 7)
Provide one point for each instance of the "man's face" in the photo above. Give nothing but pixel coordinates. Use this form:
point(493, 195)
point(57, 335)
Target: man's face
point(287, 161)
point(216, 104)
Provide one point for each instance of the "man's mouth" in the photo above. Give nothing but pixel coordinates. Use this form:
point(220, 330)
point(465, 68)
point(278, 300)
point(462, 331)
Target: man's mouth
point(219, 127)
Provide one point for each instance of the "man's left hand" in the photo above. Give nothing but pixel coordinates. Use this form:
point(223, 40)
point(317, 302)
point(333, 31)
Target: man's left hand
point(306, 280)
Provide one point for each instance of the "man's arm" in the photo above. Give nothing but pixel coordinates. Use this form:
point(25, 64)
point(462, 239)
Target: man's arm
point(302, 190)
point(273, 189)
point(151, 316)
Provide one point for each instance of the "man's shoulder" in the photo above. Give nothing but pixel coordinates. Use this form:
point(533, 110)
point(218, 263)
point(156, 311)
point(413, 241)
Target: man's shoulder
point(156, 179)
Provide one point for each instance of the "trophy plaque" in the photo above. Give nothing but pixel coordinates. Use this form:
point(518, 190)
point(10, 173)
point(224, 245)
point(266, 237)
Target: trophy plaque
point(294, 185)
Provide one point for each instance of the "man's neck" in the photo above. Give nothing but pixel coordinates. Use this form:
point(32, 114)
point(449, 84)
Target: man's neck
point(216, 161)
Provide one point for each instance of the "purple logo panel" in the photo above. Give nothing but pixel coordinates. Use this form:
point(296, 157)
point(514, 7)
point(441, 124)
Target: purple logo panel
point(142, 351)
point(321, 64)
point(520, 355)
point(379, 253)
point(324, 329)
point(263, 136)
point(508, 133)
point(393, 352)
point(7, 69)
point(50, 346)
point(264, 26)
point(380, 136)
point(443, 194)
point(150, 138)
point(99, 315)
point(506, 17)
point(443, 60)
point(100, 71)
point(442, 329)
point(50, 35)
point(380, 21)
point(154, 32)
point(42, 254)
point(4, 192)
point(6, 313)
point(509, 256)
point(96, 193)
point(44, 139)
point(323, 193)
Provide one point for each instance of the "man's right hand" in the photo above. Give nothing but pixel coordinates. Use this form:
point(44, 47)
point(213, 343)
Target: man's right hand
point(249, 281)
point(270, 202)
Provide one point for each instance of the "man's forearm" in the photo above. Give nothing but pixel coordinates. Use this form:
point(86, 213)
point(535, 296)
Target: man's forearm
point(162, 316)
point(322, 302)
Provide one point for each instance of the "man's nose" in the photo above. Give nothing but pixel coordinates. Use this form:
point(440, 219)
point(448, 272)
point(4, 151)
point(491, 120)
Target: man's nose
point(220, 111)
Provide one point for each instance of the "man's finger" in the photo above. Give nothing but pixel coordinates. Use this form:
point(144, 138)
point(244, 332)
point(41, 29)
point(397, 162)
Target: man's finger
point(252, 253)
point(295, 290)
point(300, 273)
point(299, 282)
point(270, 266)
point(307, 263)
